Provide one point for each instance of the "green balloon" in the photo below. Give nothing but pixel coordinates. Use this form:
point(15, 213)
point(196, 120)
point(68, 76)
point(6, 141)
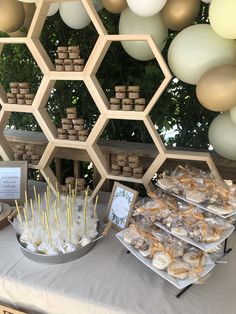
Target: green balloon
point(131, 23)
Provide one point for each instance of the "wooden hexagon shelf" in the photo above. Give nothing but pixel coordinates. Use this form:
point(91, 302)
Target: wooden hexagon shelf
point(89, 77)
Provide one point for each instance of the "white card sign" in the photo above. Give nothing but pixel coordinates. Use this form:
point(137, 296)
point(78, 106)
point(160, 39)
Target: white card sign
point(13, 180)
point(120, 205)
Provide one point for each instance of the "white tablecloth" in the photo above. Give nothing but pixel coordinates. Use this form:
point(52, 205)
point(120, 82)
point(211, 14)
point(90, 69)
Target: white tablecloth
point(107, 281)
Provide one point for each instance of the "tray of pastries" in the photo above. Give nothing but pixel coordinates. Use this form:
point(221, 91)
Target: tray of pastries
point(200, 188)
point(174, 260)
point(187, 222)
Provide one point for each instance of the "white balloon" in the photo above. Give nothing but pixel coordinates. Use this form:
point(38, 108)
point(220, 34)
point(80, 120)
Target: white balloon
point(146, 7)
point(131, 23)
point(196, 50)
point(28, 1)
point(206, 1)
point(54, 7)
point(74, 14)
point(98, 5)
point(222, 134)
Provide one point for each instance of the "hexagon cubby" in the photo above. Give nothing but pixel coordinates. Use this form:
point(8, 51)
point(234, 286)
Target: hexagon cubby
point(92, 148)
point(102, 52)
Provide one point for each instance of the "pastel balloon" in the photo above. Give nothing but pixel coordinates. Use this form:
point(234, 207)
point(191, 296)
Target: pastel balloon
point(74, 14)
point(222, 134)
point(131, 23)
point(12, 15)
point(54, 7)
point(222, 15)
point(114, 6)
point(216, 89)
point(197, 49)
point(146, 7)
point(178, 14)
point(97, 4)
point(29, 14)
point(232, 113)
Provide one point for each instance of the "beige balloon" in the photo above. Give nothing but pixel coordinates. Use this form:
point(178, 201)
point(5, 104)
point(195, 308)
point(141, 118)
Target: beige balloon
point(29, 14)
point(232, 113)
point(178, 14)
point(216, 89)
point(12, 15)
point(114, 6)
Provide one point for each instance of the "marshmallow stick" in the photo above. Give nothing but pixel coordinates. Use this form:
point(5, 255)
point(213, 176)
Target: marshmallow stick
point(48, 228)
point(76, 186)
point(39, 203)
point(46, 201)
point(35, 195)
point(27, 221)
point(48, 197)
point(85, 210)
point(32, 212)
point(95, 208)
point(68, 218)
point(18, 211)
point(26, 201)
point(56, 214)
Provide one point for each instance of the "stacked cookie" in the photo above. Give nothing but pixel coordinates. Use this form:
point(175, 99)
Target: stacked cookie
point(72, 183)
point(127, 98)
point(26, 152)
point(69, 59)
point(20, 94)
point(127, 166)
point(72, 127)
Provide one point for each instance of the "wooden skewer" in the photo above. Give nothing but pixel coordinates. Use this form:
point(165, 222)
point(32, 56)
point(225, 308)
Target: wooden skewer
point(95, 208)
point(48, 228)
point(18, 210)
point(35, 195)
point(32, 212)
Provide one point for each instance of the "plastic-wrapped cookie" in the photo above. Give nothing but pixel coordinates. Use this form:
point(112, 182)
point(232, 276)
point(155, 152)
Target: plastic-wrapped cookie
point(161, 260)
point(166, 183)
point(179, 231)
point(195, 196)
point(222, 210)
point(194, 258)
point(178, 270)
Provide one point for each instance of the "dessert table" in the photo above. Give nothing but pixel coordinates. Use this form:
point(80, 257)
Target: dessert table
point(107, 280)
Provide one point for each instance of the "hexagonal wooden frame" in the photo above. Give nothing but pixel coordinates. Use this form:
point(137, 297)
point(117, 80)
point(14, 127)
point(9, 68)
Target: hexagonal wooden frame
point(89, 77)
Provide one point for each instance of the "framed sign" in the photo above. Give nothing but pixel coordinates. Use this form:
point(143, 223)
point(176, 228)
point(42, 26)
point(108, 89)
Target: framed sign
point(13, 181)
point(120, 205)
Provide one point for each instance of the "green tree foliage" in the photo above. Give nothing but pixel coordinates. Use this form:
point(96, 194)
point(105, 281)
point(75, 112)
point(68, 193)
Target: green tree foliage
point(177, 108)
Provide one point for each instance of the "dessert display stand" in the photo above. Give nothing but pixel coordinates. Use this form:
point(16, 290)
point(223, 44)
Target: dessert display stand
point(226, 250)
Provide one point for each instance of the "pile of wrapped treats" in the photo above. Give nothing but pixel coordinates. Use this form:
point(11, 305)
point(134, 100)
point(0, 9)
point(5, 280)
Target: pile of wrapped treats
point(127, 166)
point(167, 253)
point(20, 94)
point(201, 188)
point(73, 127)
point(127, 98)
point(182, 219)
point(69, 59)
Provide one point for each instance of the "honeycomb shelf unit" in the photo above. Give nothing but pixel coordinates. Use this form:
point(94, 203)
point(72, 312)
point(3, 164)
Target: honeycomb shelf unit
point(88, 76)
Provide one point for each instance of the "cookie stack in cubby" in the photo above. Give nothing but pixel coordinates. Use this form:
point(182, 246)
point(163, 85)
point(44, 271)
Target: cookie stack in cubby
point(72, 127)
point(26, 152)
point(69, 59)
point(127, 166)
point(20, 94)
point(127, 98)
point(72, 183)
